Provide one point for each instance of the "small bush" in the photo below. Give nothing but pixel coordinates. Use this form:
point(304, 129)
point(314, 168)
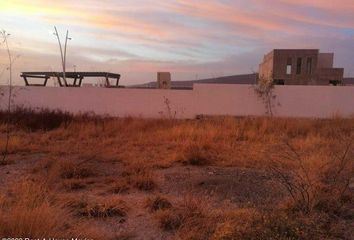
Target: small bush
point(120, 186)
point(103, 210)
point(169, 220)
point(74, 185)
point(158, 203)
point(192, 219)
point(69, 169)
point(196, 155)
point(33, 120)
point(144, 181)
point(77, 204)
point(313, 183)
point(251, 224)
point(99, 207)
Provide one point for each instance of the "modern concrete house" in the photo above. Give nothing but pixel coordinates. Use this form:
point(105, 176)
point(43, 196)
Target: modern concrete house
point(300, 67)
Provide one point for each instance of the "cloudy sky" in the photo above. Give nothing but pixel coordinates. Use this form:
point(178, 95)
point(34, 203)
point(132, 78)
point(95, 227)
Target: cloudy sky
point(190, 38)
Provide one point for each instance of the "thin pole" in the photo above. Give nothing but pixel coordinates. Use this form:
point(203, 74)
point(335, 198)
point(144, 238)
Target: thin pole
point(61, 53)
point(66, 42)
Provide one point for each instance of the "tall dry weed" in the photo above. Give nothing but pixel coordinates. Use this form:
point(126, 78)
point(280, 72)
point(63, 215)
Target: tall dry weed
point(316, 180)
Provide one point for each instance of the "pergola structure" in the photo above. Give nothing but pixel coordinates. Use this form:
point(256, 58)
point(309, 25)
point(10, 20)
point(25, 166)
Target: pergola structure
point(76, 77)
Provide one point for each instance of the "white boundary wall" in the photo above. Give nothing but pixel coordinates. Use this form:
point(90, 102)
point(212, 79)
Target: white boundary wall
point(204, 99)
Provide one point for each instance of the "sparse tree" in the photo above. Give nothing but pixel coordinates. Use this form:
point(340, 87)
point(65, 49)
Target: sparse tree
point(310, 187)
point(265, 90)
point(170, 113)
point(4, 41)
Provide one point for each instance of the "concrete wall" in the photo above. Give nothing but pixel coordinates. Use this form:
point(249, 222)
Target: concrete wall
point(266, 67)
point(318, 71)
point(330, 74)
point(205, 99)
point(116, 102)
point(325, 60)
point(281, 57)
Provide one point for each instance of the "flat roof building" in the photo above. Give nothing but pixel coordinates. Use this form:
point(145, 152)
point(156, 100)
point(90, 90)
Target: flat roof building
point(300, 67)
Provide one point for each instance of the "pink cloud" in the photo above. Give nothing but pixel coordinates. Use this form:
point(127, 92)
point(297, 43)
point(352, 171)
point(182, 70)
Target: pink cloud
point(183, 36)
point(341, 6)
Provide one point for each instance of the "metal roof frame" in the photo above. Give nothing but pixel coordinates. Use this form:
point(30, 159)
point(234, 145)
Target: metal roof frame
point(76, 76)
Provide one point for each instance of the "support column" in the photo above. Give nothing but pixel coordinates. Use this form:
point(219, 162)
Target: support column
point(45, 81)
point(26, 82)
point(107, 82)
point(59, 81)
point(80, 81)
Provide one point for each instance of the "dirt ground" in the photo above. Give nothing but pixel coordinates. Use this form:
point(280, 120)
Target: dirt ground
point(221, 187)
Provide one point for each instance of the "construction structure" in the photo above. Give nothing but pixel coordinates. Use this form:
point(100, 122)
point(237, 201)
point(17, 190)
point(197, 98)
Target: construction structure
point(300, 67)
point(164, 80)
point(75, 77)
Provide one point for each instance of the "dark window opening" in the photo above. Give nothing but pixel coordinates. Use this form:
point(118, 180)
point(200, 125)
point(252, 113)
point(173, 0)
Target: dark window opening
point(298, 65)
point(309, 66)
point(279, 82)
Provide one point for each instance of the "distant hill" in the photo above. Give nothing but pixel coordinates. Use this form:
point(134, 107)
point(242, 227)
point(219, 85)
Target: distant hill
point(235, 79)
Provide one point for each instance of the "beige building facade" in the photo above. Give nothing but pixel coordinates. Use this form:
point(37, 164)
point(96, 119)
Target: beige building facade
point(300, 67)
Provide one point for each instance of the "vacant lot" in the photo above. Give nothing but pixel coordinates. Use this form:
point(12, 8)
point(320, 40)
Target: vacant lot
point(216, 178)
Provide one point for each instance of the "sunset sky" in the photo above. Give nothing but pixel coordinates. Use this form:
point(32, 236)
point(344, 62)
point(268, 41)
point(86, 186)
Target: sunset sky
point(190, 38)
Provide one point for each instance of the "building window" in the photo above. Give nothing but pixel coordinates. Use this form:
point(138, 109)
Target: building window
point(309, 66)
point(298, 65)
point(288, 69)
point(288, 66)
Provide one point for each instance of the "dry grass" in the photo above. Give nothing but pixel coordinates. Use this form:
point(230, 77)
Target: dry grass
point(98, 207)
point(251, 224)
point(68, 169)
point(142, 180)
point(74, 185)
point(104, 208)
point(96, 172)
point(31, 120)
point(197, 155)
point(29, 211)
point(192, 218)
point(240, 142)
point(158, 203)
point(122, 185)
